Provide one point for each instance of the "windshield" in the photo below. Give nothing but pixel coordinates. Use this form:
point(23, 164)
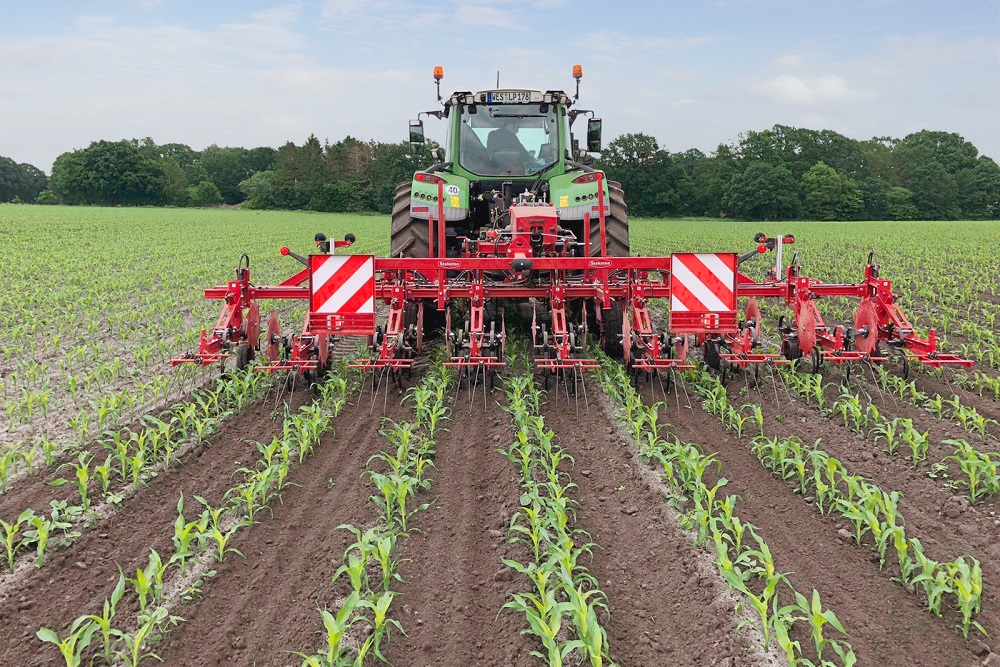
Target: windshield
point(508, 139)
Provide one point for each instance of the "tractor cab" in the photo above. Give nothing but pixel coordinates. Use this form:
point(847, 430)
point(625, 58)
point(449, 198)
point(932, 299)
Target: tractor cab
point(520, 137)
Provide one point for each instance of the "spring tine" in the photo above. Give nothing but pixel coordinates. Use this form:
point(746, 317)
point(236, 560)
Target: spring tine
point(586, 399)
point(277, 394)
point(663, 389)
point(389, 373)
point(687, 396)
point(376, 389)
point(576, 391)
point(566, 384)
point(677, 395)
point(458, 384)
point(486, 381)
point(472, 389)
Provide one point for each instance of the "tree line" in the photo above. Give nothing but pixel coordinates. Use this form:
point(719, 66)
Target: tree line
point(776, 174)
point(791, 173)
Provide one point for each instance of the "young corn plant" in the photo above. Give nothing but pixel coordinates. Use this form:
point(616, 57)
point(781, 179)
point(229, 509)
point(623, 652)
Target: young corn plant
point(979, 468)
point(10, 531)
point(71, 648)
point(105, 621)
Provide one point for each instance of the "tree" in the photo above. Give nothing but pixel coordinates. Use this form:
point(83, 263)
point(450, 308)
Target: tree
point(762, 192)
point(829, 195)
point(20, 181)
point(899, 204)
point(979, 190)
point(109, 173)
point(204, 194)
point(173, 183)
point(653, 181)
point(226, 168)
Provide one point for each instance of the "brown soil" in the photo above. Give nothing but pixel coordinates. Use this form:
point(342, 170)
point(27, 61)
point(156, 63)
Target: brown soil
point(887, 625)
point(76, 580)
point(663, 610)
point(257, 611)
point(456, 582)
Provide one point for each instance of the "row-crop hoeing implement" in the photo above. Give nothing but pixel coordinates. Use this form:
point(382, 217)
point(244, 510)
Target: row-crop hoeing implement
point(511, 214)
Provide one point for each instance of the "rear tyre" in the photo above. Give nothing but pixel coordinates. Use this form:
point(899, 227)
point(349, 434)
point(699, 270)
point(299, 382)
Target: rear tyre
point(615, 223)
point(410, 239)
point(409, 235)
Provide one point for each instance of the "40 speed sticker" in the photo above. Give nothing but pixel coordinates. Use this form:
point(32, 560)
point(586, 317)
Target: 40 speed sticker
point(452, 190)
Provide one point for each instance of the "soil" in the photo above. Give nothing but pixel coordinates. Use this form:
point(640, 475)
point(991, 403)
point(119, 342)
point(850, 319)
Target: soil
point(887, 625)
point(664, 608)
point(658, 599)
point(456, 582)
point(259, 610)
point(77, 579)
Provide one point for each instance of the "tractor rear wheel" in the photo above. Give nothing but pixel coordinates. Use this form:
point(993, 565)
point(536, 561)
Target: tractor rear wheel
point(410, 239)
point(616, 234)
point(409, 234)
point(616, 225)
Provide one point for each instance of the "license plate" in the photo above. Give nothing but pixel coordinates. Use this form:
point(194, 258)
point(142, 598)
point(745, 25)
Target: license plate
point(508, 97)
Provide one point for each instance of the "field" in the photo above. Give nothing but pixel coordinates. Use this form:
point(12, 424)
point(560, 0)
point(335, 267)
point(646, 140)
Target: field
point(790, 518)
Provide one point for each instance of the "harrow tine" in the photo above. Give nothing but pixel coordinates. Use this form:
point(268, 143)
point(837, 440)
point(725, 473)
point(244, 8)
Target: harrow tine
point(586, 399)
point(663, 390)
point(376, 389)
point(475, 386)
point(389, 373)
point(458, 384)
point(687, 396)
point(878, 387)
point(576, 391)
point(677, 394)
point(774, 386)
point(277, 393)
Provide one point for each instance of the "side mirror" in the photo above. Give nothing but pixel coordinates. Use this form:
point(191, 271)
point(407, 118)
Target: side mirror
point(594, 135)
point(416, 134)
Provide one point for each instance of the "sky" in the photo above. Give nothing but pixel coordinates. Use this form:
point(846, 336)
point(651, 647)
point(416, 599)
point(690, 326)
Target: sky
point(692, 73)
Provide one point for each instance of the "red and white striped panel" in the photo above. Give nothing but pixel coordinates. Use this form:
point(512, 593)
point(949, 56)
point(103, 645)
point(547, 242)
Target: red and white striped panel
point(702, 292)
point(342, 294)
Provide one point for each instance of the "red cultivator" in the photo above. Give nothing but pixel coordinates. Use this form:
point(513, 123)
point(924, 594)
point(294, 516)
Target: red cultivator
point(571, 290)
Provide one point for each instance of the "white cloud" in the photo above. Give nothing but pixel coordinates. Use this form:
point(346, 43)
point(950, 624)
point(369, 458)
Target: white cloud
point(790, 89)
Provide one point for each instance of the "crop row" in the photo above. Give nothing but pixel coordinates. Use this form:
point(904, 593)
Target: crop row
point(980, 475)
point(355, 631)
point(870, 509)
point(742, 556)
point(131, 458)
point(196, 543)
point(562, 587)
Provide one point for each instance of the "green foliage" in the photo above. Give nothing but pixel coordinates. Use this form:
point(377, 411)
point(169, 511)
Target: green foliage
point(763, 191)
point(21, 182)
point(204, 194)
point(829, 195)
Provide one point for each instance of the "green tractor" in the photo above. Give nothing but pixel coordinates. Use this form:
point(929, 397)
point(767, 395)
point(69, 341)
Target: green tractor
point(505, 146)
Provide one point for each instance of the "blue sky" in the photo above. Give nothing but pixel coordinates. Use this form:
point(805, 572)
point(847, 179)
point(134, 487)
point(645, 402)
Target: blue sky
point(692, 73)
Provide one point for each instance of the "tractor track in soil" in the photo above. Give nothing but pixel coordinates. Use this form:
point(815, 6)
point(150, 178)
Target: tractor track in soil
point(257, 611)
point(456, 582)
point(77, 579)
point(886, 624)
point(663, 609)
